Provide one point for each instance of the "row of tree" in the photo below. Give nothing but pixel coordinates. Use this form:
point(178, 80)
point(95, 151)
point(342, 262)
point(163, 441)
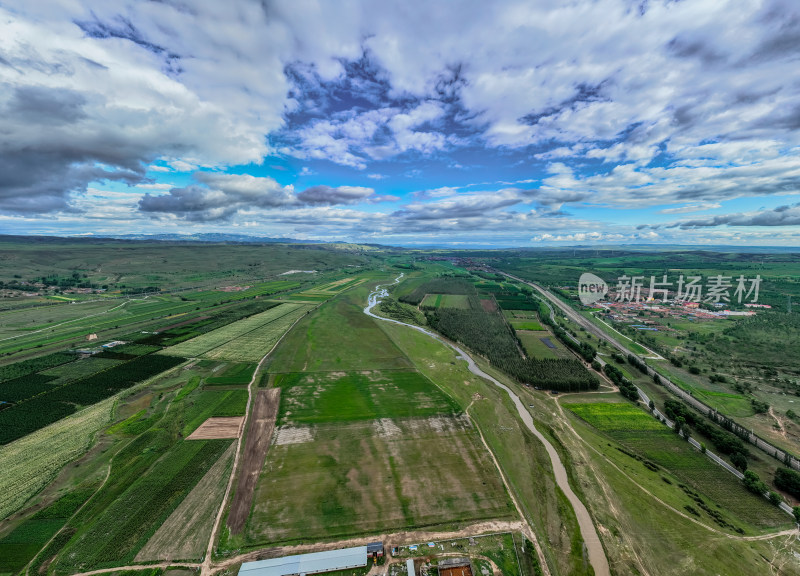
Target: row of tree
point(583, 349)
point(489, 335)
point(724, 442)
point(626, 387)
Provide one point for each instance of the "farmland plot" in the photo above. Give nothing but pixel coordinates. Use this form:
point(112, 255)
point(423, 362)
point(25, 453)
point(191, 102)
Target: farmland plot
point(125, 526)
point(251, 347)
point(206, 343)
point(185, 533)
point(370, 476)
point(31, 462)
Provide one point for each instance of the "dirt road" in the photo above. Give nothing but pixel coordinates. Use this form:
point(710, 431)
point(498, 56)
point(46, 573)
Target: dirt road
point(259, 435)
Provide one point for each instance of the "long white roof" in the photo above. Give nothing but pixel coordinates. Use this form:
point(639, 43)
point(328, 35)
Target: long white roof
point(307, 563)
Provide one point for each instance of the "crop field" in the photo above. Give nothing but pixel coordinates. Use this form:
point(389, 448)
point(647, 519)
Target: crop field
point(251, 347)
point(184, 535)
point(347, 396)
point(210, 403)
point(218, 428)
point(233, 375)
point(79, 369)
point(130, 520)
point(371, 476)
point(31, 462)
point(18, 547)
point(446, 301)
point(206, 343)
point(25, 367)
point(610, 417)
point(55, 404)
point(643, 435)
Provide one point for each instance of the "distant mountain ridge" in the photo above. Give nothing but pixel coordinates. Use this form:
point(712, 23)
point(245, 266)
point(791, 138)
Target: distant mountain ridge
point(215, 237)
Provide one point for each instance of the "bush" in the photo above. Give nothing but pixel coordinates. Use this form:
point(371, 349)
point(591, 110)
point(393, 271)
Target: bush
point(788, 480)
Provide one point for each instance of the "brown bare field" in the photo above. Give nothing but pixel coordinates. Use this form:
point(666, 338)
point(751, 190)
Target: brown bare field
point(456, 571)
point(218, 428)
point(488, 305)
point(259, 435)
point(183, 536)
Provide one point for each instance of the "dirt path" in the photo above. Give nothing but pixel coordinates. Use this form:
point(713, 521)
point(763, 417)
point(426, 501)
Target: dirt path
point(594, 547)
point(259, 435)
point(781, 429)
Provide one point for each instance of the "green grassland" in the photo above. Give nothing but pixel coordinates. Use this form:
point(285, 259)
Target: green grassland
point(521, 456)
point(644, 436)
point(608, 417)
point(237, 374)
point(644, 535)
point(446, 301)
point(365, 443)
point(353, 479)
point(338, 336)
point(534, 347)
point(343, 397)
point(526, 325)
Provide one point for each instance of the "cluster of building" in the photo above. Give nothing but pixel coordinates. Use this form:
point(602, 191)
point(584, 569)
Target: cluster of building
point(629, 312)
point(349, 559)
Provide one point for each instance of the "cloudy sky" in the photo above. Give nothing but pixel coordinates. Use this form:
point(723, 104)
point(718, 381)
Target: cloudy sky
point(417, 123)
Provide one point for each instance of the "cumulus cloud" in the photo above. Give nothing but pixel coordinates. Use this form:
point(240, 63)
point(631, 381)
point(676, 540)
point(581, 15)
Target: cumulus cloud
point(633, 104)
point(788, 215)
point(218, 196)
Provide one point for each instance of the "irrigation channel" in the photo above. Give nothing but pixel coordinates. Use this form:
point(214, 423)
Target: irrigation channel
point(597, 556)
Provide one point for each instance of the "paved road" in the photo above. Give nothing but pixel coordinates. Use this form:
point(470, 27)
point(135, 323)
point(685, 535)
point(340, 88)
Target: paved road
point(597, 556)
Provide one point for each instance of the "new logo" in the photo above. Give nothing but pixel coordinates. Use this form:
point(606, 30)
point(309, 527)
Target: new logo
point(591, 288)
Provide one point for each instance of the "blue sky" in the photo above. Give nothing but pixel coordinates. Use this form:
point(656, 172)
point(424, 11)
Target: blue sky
point(412, 123)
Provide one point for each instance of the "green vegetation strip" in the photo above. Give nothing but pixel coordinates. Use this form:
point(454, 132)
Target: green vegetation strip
point(335, 397)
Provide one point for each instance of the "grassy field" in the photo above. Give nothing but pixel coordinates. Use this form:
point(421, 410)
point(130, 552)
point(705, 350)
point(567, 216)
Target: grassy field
point(339, 337)
point(526, 325)
point(343, 397)
point(372, 476)
point(521, 456)
point(532, 342)
point(608, 417)
point(644, 436)
point(446, 301)
point(237, 374)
